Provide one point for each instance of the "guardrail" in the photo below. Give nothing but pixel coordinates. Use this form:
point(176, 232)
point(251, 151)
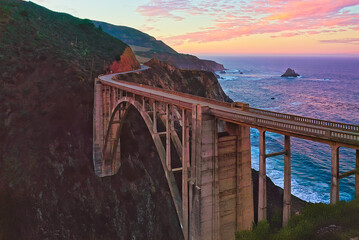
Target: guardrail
point(295, 127)
point(313, 121)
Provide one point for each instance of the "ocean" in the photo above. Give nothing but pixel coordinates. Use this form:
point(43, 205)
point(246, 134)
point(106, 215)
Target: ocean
point(328, 89)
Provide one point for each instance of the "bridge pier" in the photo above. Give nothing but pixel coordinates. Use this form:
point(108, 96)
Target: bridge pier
point(185, 165)
point(203, 217)
point(168, 137)
point(262, 183)
point(334, 186)
point(241, 179)
point(287, 181)
point(98, 128)
point(221, 199)
point(154, 117)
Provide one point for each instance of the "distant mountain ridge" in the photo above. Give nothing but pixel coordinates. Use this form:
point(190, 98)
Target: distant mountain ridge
point(147, 47)
point(134, 37)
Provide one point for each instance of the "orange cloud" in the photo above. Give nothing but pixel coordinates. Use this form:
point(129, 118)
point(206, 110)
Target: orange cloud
point(163, 8)
point(345, 40)
point(230, 19)
point(312, 9)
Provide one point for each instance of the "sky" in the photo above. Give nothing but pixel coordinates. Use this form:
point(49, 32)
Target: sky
point(232, 27)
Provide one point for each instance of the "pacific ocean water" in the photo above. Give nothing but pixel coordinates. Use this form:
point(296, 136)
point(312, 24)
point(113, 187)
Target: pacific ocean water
point(328, 89)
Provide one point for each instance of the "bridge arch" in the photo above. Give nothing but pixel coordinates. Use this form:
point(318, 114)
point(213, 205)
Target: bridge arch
point(110, 150)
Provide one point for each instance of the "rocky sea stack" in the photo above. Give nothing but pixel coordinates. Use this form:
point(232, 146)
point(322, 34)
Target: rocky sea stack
point(290, 73)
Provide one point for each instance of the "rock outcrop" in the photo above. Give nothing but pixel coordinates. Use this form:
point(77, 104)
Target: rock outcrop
point(125, 62)
point(166, 75)
point(184, 61)
point(290, 73)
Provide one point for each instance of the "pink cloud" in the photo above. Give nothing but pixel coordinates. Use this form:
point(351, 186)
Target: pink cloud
point(304, 9)
point(235, 18)
point(163, 8)
point(345, 40)
point(290, 34)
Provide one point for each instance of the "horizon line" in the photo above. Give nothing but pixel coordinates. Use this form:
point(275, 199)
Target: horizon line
point(274, 55)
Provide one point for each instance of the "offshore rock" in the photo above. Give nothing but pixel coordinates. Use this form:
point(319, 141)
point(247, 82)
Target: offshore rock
point(290, 73)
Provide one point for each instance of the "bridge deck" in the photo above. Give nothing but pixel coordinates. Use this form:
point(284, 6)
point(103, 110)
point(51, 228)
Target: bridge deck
point(346, 135)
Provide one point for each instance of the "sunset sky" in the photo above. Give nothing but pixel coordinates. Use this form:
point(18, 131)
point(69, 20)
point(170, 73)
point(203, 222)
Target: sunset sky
point(232, 27)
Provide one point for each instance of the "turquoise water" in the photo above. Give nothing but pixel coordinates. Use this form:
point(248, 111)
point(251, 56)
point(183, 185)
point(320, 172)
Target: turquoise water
point(327, 89)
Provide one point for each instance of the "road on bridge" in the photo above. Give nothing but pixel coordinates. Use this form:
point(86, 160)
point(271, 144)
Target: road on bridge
point(345, 135)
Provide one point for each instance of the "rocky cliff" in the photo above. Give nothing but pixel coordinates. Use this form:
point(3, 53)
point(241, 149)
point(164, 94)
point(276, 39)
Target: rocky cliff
point(124, 62)
point(166, 75)
point(183, 61)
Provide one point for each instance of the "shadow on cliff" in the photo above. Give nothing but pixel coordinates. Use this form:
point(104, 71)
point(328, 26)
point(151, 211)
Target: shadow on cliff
point(142, 187)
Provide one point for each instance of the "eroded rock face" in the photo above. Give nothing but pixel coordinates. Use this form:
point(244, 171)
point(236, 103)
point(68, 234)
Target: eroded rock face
point(126, 62)
point(186, 61)
point(168, 76)
point(290, 73)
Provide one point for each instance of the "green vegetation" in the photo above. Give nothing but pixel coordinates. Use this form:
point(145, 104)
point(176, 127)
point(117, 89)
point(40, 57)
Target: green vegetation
point(48, 62)
point(317, 221)
point(31, 32)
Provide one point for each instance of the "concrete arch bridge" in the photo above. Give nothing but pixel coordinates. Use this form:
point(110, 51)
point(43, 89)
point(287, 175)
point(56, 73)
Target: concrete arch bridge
point(212, 140)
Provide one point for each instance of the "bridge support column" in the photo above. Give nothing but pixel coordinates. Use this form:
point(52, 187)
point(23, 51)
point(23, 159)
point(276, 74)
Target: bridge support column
point(204, 216)
point(154, 114)
point(168, 137)
point(235, 181)
point(262, 188)
point(357, 175)
point(113, 99)
point(98, 136)
point(334, 187)
point(287, 181)
point(185, 165)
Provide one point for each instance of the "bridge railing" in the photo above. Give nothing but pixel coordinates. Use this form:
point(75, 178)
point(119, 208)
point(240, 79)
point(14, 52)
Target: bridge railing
point(294, 127)
point(186, 95)
point(312, 121)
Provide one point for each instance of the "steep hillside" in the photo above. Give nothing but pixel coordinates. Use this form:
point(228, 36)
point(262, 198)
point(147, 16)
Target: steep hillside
point(134, 37)
point(147, 47)
point(48, 189)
